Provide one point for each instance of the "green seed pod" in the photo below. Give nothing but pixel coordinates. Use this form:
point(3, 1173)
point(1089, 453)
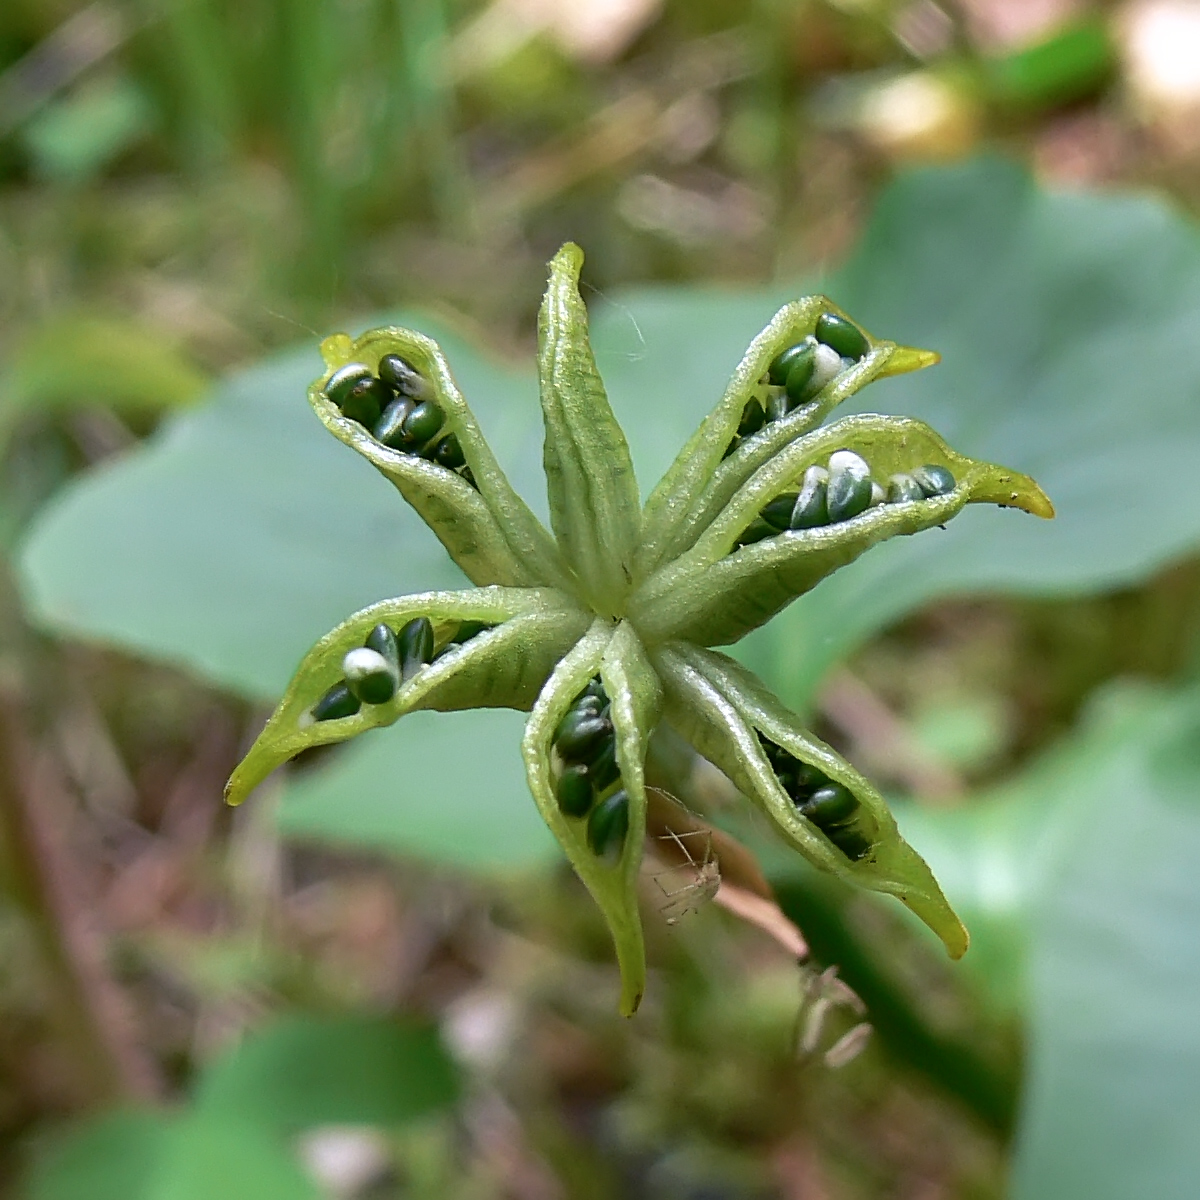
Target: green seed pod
point(370, 676)
point(580, 735)
point(811, 507)
point(800, 375)
point(829, 805)
point(608, 824)
point(341, 381)
point(604, 768)
point(423, 422)
point(382, 640)
point(753, 419)
point(364, 401)
point(934, 480)
point(339, 701)
point(468, 629)
point(844, 336)
point(902, 489)
point(389, 429)
point(449, 453)
point(416, 646)
point(400, 374)
point(574, 791)
point(781, 364)
point(849, 490)
point(778, 514)
point(756, 531)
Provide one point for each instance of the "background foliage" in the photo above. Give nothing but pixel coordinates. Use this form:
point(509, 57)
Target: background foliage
point(378, 980)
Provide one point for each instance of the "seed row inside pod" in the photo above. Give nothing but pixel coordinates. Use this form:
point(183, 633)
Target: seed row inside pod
point(395, 405)
point(798, 373)
point(372, 673)
point(829, 805)
point(586, 744)
point(841, 491)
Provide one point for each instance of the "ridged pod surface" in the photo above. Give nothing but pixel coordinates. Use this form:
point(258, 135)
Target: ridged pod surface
point(605, 622)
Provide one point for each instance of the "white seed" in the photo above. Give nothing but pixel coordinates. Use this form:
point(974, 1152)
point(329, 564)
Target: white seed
point(878, 495)
point(827, 363)
point(853, 464)
point(362, 663)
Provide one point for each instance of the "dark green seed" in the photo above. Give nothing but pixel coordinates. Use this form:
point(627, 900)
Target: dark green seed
point(389, 429)
point(382, 640)
point(778, 513)
point(781, 364)
point(799, 376)
point(844, 336)
point(849, 841)
point(364, 400)
point(811, 510)
point(806, 779)
point(595, 687)
point(468, 629)
point(829, 805)
point(753, 419)
point(401, 374)
point(581, 708)
point(339, 701)
point(423, 422)
point(343, 379)
point(756, 531)
point(416, 646)
point(934, 480)
point(466, 474)
point(370, 676)
point(580, 735)
point(604, 768)
point(849, 489)
point(574, 791)
point(608, 824)
point(449, 453)
point(902, 489)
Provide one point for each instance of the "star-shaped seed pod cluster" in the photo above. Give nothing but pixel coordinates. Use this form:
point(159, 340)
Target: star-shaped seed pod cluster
point(604, 628)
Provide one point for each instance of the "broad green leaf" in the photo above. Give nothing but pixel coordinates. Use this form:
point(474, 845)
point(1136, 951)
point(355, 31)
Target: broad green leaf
point(242, 532)
point(713, 595)
point(111, 1157)
point(205, 1155)
point(1036, 300)
point(488, 530)
point(594, 503)
point(304, 1071)
point(703, 478)
point(502, 667)
point(412, 791)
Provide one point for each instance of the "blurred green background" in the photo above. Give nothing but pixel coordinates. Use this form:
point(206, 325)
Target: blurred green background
point(378, 979)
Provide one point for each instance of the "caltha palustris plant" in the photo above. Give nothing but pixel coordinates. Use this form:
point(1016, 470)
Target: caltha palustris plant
point(605, 628)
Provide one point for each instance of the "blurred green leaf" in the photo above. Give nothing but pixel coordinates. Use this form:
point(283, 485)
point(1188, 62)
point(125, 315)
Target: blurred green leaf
point(76, 137)
point(113, 1157)
point(205, 1156)
point(73, 359)
point(466, 810)
point(1080, 880)
point(1071, 64)
point(305, 1071)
